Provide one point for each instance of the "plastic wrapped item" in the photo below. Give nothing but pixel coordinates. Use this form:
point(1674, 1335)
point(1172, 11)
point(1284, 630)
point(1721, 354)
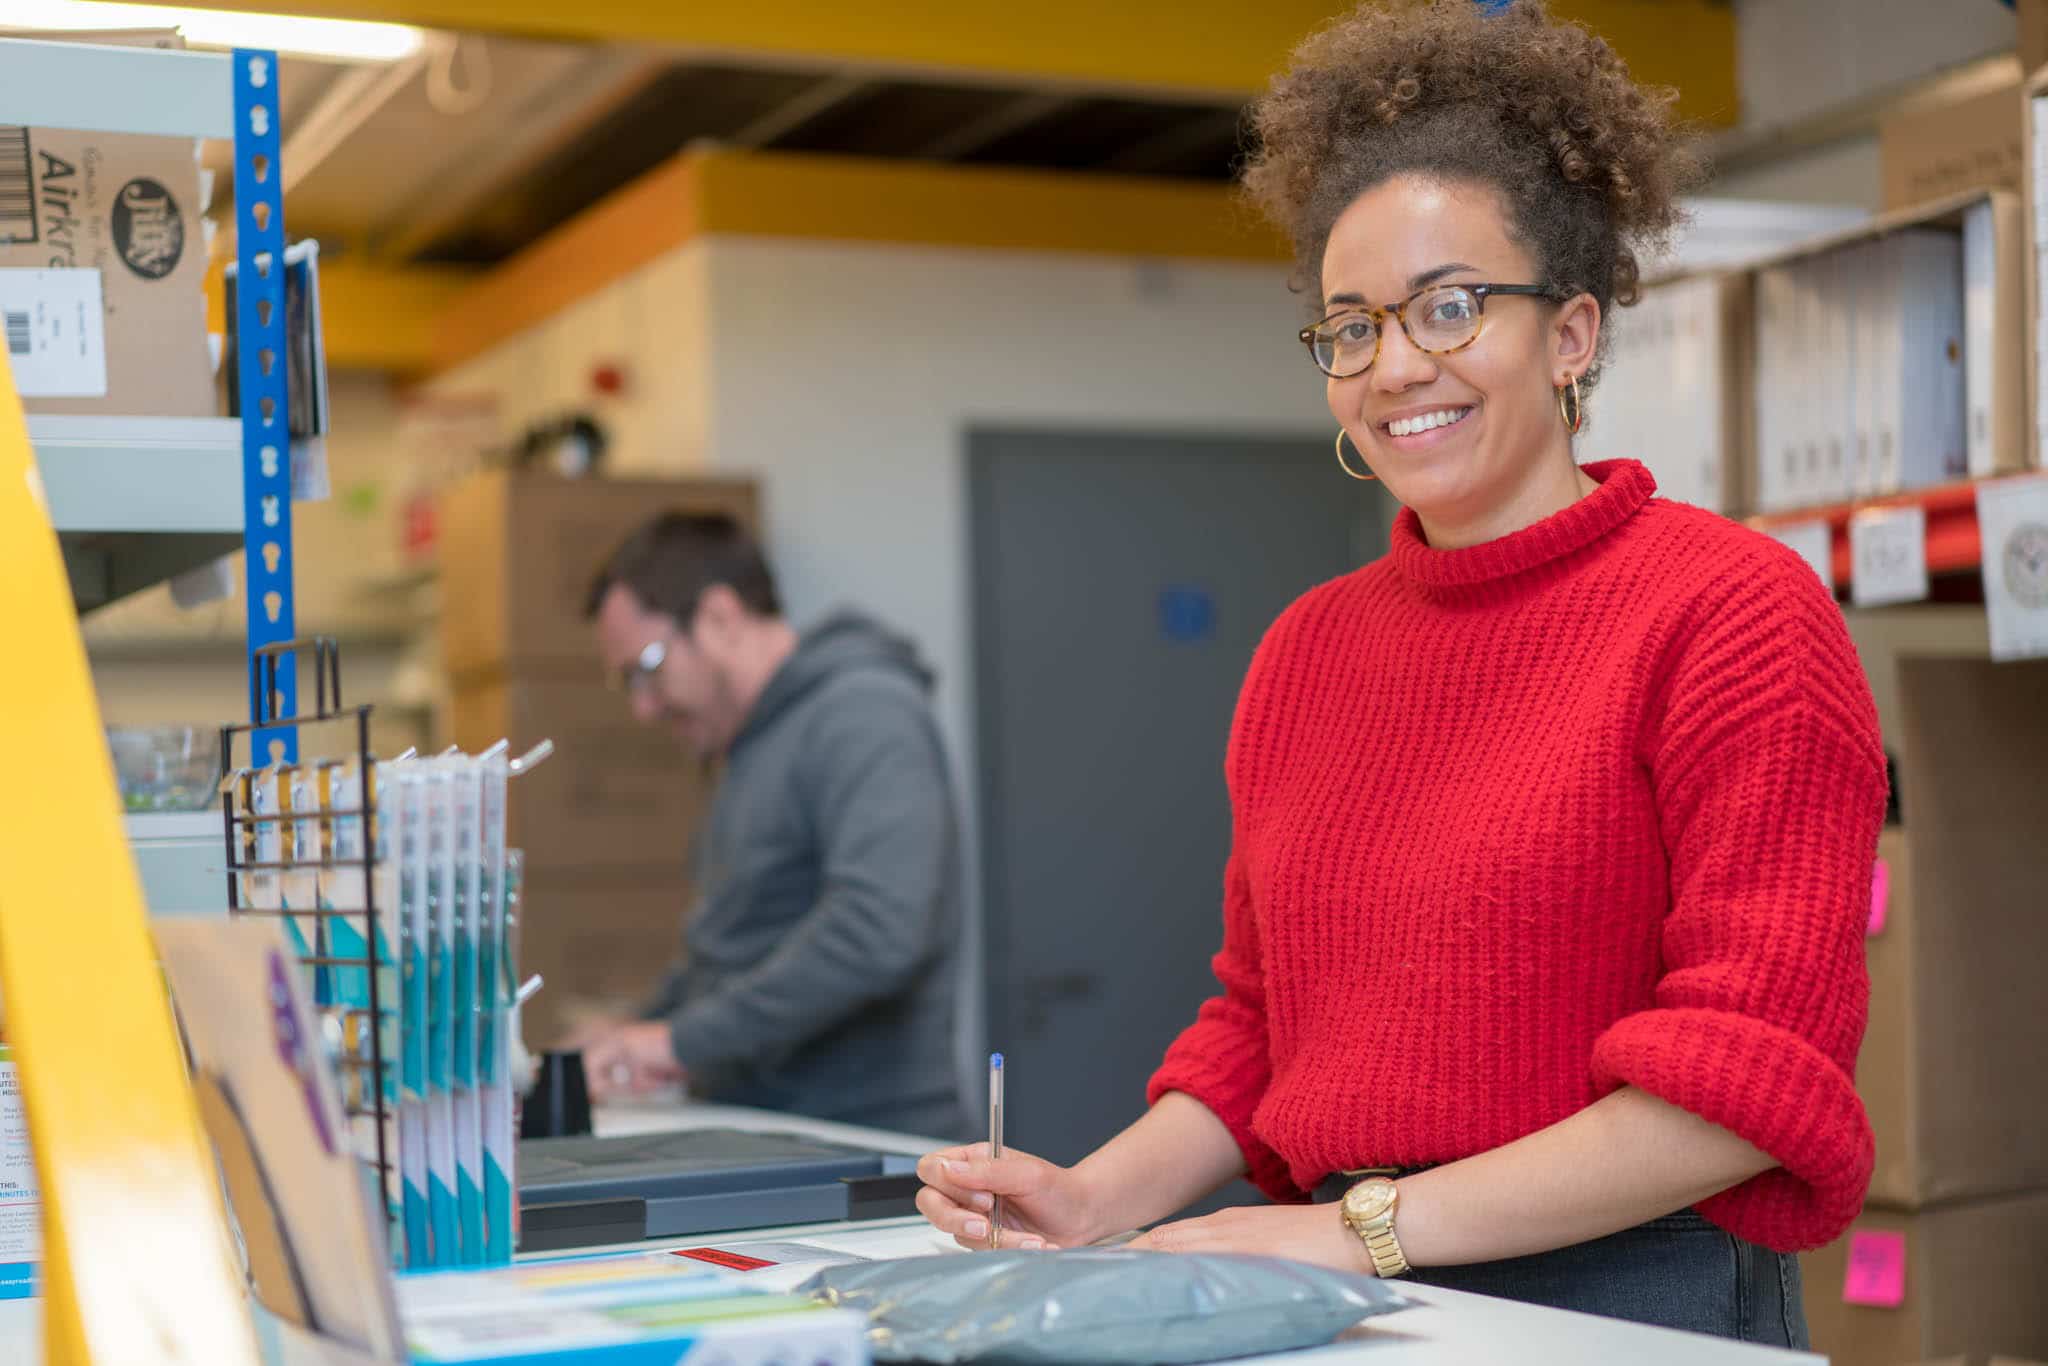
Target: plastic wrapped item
point(1102, 1306)
point(166, 768)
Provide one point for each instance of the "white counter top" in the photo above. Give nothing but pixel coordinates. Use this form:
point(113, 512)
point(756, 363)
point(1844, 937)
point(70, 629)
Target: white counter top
point(1445, 1328)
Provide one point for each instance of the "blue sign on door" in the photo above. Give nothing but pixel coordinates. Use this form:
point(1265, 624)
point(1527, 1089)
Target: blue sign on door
point(1186, 613)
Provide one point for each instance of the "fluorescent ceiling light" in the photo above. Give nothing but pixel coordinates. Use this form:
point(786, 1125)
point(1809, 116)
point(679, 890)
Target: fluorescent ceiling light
point(334, 39)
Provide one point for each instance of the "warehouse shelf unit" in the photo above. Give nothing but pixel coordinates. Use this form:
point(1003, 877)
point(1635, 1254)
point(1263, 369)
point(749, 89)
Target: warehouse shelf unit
point(113, 1118)
point(137, 500)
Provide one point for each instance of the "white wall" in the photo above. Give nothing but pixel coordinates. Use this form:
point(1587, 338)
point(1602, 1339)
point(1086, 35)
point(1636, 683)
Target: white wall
point(651, 321)
point(847, 376)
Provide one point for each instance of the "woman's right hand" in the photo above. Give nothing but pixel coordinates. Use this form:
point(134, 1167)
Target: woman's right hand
point(1043, 1205)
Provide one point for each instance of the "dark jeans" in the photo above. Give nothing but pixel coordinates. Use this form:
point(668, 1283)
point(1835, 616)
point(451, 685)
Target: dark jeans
point(1676, 1272)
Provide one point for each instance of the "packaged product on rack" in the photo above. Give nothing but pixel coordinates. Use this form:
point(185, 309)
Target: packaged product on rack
point(511, 1057)
point(496, 986)
point(299, 881)
point(351, 793)
point(440, 946)
point(466, 801)
point(405, 808)
point(262, 886)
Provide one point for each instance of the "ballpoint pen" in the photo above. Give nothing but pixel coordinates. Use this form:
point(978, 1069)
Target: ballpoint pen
point(995, 1142)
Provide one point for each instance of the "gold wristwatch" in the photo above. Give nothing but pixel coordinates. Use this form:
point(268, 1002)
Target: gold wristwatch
point(1369, 1210)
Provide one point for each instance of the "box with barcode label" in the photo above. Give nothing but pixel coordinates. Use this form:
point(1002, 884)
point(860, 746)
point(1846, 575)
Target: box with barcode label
point(55, 326)
point(124, 208)
point(21, 1244)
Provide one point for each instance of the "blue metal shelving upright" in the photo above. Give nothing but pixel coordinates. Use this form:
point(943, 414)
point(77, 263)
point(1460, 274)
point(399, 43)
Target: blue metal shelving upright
point(261, 331)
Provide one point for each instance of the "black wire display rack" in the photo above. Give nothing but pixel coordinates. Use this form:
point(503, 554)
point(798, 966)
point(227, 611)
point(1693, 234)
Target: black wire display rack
point(356, 1030)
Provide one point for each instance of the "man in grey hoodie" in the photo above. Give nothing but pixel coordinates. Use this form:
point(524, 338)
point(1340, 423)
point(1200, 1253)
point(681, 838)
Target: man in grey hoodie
point(819, 963)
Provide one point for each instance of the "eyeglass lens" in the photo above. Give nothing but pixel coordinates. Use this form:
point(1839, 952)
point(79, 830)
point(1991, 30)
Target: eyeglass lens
point(1436, 320)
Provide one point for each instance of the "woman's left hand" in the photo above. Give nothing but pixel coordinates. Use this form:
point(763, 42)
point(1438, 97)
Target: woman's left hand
point(1301, 1233)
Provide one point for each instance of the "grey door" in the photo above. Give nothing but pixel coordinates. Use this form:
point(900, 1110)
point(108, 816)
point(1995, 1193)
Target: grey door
point(1121, 585)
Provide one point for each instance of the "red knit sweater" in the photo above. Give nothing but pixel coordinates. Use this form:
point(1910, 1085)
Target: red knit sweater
point(1590, 805)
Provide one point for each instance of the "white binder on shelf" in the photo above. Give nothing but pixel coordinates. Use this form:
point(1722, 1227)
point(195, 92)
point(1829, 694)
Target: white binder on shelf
point(1836, 400)
point(1776, 439)
point(1980, 294)
point(1661, 395)
point(1933, 444)
point(1891, 352)
point(1871, 285)
point(1809, 366)
point(1697, 382)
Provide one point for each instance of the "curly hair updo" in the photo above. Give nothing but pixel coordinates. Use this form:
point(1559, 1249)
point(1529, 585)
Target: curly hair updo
point(1589, 164)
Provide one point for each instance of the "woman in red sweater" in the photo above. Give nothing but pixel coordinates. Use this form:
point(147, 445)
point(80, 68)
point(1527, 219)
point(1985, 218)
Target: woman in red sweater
point(1542, 967)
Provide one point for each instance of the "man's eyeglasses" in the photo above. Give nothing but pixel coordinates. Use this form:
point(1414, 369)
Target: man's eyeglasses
point(1438, 319)
point(642, 670)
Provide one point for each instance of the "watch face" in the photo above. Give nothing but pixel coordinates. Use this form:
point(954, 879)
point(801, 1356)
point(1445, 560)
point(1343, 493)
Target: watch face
point(1369, 1199)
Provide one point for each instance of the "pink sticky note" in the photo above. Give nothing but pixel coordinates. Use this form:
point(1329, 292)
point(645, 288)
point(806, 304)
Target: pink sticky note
point(1877, 1270)
point(1880, 897)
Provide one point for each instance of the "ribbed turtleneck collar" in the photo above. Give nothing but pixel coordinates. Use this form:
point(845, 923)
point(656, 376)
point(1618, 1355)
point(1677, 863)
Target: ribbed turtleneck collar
point(1624, 486)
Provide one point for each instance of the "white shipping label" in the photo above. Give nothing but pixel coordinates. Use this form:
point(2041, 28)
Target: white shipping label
point(2012, 514)
point(1815, 545)
point(1888, 556)
point(56, 332)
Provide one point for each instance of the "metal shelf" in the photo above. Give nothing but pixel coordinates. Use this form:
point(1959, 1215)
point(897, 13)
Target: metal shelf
point(137, 500)
point(117, 89)
point(1954, 545)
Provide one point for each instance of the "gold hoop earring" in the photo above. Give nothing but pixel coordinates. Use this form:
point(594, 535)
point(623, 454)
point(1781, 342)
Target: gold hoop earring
point(1570, 407)
point(1345, 465)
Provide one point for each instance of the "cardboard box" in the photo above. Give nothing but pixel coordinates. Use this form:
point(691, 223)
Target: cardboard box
point(2033, 24)
point(1972, 1287)
point(1952, 1060)
point(614, 792)
point(600, 939)
point(1968, 144)
point(127, 206)
point(518, 552)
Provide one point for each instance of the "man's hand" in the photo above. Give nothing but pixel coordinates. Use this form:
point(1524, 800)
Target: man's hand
point(630, 1060)
point(1302, 1233)
point(587, 1024)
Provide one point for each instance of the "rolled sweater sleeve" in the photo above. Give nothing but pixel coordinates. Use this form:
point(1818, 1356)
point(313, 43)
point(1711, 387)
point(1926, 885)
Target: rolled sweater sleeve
point(1225, 1058)
point(1769, 778)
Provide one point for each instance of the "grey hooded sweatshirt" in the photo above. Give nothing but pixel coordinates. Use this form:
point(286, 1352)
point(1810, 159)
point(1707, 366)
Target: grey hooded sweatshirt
point(818, 965)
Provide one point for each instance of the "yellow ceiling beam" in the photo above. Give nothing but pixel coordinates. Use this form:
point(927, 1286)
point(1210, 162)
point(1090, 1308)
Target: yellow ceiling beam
point(1218, 47)
point(849, 199)
point(375, 317)
point(622, 232)
point(379, 318)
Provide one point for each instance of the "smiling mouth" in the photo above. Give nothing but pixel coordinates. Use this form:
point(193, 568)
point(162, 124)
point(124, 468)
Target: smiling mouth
point(1426, 422)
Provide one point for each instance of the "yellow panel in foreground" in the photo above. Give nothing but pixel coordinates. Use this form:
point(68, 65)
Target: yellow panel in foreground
point(137, 1262)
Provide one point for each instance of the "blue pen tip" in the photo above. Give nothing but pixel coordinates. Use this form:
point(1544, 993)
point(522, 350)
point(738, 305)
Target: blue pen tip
point(995, 1060)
